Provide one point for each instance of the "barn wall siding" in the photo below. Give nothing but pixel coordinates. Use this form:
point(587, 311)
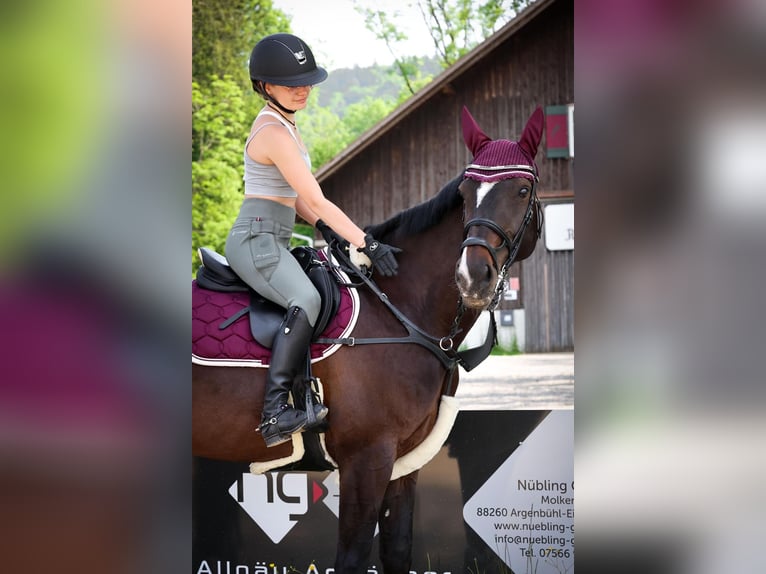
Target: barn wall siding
point(411, 161)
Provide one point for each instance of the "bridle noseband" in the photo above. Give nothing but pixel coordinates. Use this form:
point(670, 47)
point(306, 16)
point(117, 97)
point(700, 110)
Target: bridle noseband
point(513, 245)
point(493, 251)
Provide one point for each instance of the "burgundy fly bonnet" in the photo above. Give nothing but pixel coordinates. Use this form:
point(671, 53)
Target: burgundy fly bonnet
point(494, 160)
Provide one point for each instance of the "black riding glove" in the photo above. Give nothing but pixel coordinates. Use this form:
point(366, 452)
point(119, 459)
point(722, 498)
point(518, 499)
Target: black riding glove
point(330, 236)
point(381, 255)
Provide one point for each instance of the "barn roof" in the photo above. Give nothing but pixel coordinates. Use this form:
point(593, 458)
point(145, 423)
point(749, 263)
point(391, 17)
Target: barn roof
point(437, 85)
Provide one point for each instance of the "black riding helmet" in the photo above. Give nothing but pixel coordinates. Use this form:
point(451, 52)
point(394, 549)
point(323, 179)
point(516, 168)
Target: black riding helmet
point(284, 60)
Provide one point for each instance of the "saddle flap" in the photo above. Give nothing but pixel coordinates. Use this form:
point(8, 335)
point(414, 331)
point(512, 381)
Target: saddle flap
point(265, 319)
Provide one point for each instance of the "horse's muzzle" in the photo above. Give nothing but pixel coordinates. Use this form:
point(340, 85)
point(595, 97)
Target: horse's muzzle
point(476, 279)
point(474, 302)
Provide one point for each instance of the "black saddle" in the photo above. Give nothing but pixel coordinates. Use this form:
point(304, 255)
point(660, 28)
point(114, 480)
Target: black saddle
point(266, 316)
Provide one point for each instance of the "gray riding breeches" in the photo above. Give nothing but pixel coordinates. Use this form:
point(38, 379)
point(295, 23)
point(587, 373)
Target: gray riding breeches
point(257, 250)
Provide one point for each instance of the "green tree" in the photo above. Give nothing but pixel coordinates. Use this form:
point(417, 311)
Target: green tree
point(361, 116)
point(220, 118)
point(323, 132)
point(326, 134)
point(225, 31)
point(380, 24)
point(455, 26)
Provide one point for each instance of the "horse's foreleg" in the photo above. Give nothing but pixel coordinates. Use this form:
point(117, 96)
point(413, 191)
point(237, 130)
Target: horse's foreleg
point(395, 522)
point(363, 482)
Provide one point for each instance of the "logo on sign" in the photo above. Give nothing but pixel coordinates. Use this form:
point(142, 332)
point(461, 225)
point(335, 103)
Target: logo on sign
point(277, 500)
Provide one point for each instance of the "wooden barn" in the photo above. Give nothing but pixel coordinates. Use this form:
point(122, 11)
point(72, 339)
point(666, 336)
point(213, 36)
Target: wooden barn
point(409, 156)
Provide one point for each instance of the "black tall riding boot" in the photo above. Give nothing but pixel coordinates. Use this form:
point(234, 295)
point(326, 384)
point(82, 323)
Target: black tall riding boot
point(288, 356)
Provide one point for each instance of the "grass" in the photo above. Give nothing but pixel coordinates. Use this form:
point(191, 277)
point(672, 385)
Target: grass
point(514, 350)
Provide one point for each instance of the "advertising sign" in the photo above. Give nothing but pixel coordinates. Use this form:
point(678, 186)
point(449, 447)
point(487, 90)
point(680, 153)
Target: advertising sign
point(559, 226)
point(525, 511)
point(496, 498)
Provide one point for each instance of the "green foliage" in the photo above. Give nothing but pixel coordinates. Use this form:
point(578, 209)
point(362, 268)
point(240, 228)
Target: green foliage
point(220, 116)
point(322, 131)
point(379, 23)
point(494, 14)
point(449, 24)
point(326, 134)
point(514, 350)
point(217, 194)
point(515, 346)
point(220, 120)
point(225, 31)
point(348, 86)
point(417, 77)
point(361, 116)
point(223, 34)
point(455, 26)
point(301, 229)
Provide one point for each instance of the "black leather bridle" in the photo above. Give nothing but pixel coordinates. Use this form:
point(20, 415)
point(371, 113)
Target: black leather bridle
point(513, 245)
point(444, 348)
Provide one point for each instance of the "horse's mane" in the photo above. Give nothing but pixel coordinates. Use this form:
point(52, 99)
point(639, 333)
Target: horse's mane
point(423, 216)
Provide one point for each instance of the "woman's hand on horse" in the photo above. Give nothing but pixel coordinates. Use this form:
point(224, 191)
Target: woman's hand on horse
point(381, 255)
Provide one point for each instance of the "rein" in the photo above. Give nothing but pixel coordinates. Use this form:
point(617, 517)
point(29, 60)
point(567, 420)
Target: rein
point(442, 347)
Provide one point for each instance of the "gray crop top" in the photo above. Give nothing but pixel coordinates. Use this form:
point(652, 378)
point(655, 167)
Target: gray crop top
point(266, 180)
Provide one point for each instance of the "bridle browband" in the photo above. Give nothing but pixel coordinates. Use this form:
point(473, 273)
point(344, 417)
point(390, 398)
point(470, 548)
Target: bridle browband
point(513, 245)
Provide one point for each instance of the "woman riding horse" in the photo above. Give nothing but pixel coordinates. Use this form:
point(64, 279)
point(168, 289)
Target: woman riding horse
point(386, 398)
point(279, 183)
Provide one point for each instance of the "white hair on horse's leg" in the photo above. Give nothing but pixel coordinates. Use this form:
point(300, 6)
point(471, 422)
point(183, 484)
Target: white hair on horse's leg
point(359, 259)
point(426, 450)
point(484, 188)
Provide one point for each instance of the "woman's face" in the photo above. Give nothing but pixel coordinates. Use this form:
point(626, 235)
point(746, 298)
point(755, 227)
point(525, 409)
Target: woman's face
point(293, 98)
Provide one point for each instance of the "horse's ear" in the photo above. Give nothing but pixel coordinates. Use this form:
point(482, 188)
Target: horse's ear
point(533, 133)
point(473, 137)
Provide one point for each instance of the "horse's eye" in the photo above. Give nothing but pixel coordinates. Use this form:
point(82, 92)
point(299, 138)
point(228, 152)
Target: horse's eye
point(523, 191)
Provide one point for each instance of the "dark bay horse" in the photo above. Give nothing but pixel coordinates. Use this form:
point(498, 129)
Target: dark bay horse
point(384, 398)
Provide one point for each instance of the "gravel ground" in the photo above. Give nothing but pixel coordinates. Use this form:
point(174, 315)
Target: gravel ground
point(519, 382)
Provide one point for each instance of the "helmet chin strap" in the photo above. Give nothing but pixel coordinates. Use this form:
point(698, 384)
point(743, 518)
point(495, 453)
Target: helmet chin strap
point(261, 89)
point(274, 101)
